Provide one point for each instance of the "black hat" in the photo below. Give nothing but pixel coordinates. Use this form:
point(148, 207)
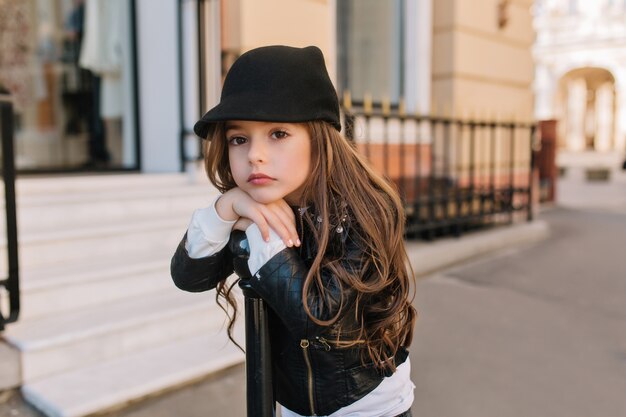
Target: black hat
point(276, 84)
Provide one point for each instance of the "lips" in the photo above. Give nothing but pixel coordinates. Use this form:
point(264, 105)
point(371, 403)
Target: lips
point(260, 179)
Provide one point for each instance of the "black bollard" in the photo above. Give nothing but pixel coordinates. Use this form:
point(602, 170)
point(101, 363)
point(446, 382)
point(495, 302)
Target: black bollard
point(259, 392)
point(259, 389)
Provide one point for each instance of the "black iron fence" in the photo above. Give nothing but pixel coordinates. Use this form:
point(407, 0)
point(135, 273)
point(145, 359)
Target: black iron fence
point(9, 286)
point(452, 174)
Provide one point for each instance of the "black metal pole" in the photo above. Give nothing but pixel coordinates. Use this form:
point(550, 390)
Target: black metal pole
point(181, 87)
point(511, 207)
point(259, 391)
point(8, 173)
point(533, 130)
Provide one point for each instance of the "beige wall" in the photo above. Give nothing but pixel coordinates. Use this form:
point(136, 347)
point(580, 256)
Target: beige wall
point(249, 24)
point(478, 68)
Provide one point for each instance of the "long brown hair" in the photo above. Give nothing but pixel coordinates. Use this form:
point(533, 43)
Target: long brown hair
point(342, 179)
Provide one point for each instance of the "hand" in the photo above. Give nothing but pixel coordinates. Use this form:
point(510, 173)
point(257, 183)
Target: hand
point(236, 204)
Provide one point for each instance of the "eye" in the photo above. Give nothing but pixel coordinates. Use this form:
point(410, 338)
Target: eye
point(279, 134)
point(237, 140)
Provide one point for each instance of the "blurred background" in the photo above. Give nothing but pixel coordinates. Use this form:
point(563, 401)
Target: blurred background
point(501, 122)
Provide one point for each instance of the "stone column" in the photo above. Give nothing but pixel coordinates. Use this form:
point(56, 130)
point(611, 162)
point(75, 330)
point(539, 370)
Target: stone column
point(604, 118)
point(620, 121)
point(576, 106)
point(545, 90)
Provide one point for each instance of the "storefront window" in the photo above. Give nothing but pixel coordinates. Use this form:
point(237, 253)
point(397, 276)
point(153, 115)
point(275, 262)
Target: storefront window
point(68, 65)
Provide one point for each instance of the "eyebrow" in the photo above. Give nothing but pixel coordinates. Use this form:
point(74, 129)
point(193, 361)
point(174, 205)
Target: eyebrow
point(231, 126)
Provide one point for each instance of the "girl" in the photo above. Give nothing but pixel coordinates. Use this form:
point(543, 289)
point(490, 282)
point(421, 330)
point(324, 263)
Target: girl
point(323, 242)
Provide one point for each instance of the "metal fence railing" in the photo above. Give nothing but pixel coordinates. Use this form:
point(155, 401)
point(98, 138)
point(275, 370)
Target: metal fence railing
point(453, 175)
point(9, 286)
point(200, 68)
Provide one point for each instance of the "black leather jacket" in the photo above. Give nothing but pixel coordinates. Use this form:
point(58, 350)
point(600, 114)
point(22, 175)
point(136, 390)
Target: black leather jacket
point(311, 376)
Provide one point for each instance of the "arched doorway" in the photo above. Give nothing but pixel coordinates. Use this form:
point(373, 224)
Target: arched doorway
point(587, 110)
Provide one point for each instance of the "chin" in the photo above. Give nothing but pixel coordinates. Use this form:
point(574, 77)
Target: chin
point(265, 197)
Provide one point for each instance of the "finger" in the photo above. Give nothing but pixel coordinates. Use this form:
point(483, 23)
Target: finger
point(279, 222)
point(260, 220)
point(287, 209)
point(289, 219)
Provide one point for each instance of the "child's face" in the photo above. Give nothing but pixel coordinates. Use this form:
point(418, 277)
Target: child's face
point(269, 160)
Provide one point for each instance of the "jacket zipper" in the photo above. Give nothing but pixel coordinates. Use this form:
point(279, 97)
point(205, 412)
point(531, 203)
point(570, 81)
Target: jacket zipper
point(324, 343)
point(301, 230)
point(304, 344)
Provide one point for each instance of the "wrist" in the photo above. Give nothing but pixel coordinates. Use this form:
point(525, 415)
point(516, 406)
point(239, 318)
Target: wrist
point(224, 208)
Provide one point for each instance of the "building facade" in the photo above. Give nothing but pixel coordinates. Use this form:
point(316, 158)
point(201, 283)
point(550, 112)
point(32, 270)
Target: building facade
point(482, 61)
point(580, 81)
point(117, 84)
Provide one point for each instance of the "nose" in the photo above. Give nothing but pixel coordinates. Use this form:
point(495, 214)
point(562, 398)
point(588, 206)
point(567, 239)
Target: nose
point(257, 152)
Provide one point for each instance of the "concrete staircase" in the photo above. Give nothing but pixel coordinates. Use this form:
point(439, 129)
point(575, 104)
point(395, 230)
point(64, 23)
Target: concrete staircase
point(101, 322)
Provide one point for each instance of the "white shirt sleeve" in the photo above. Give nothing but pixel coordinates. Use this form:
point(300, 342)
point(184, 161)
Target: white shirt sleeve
point(207, 233)
point(260, 250)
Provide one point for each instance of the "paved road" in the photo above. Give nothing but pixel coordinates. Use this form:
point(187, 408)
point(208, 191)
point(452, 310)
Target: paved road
point(538, 331)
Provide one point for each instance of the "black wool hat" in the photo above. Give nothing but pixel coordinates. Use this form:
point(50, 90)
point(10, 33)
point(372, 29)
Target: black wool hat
point(276, 84)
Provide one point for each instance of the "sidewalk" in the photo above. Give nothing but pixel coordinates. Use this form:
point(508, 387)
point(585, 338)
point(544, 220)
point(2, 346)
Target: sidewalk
point(574, 191)
point(429, 257)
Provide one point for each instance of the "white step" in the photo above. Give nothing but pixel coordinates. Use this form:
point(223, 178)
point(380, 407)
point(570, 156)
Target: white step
point(50, 212)
point(62, 342)
point(105, 182)
point(109, 384)
point(101, 321)
point(43, 203)
point(137, 238)
point(65, 287)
